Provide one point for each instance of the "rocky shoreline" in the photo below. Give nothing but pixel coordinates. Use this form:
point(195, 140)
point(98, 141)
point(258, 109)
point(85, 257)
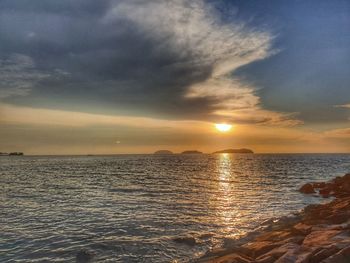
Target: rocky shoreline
point(318, 234)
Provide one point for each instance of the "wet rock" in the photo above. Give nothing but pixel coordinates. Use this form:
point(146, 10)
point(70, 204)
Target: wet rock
point(323, 253)
point(277, 253)
point(234, 258)
point(85, 256)
point(343, 256)
point(275, 236)
point(319, 185)
point(339, 218)
point(302, 228)
point(325, 192)
point(346, 187)
point(320, 238)
point(307, 189)
point(260, 247)
point(190, 241)
point(206, 236)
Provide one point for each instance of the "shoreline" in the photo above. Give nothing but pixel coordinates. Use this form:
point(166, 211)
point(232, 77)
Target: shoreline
point(319, 233)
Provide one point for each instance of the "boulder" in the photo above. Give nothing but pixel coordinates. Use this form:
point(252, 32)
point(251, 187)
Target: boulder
point(307, 189)
point(302, 228)
point(190, 241)
point(319, 184)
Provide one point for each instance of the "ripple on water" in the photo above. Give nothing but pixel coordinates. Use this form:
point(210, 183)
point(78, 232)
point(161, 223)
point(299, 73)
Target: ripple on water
point(130, 208)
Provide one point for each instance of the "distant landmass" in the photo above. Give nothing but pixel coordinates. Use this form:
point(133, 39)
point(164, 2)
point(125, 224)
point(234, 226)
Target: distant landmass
point(191, 152)
point(163, 152)
point(243, 150)
point(11, 154)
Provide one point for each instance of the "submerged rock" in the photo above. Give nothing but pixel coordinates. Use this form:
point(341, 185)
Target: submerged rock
point(307, 189)
point(190, 241)
point(338, 187)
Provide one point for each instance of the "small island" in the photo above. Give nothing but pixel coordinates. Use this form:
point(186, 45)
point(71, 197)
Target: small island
point(191, 152)
point(11, 154)
point(163, 152)
point(242, 150)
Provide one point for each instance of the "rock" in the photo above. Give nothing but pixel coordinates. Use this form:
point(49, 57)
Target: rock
point(84, 256)
point(307, 189)
point(234, 258)
point(302, 228)
point(275, 236)
point(319, 185)
point(323, 253)
point(346, 187)
point(277, 252)
point(325, 192)
point(190, 241)
point(343, 256)
point(260, 247)
point(294, 256)
point(320, 238)
point(338, 218)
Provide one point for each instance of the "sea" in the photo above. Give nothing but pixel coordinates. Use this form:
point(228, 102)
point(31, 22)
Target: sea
point(134, 208)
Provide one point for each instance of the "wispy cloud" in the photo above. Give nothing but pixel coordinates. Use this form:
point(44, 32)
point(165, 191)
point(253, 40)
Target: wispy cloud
point(343, 106)
point(195, 33)
point(18, 76)
point(338, 134)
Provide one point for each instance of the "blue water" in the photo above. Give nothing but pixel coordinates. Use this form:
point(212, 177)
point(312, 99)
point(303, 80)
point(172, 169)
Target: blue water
point(129, 208)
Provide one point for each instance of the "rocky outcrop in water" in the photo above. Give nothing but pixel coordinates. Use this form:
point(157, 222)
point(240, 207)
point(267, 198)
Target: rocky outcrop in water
point(188, 240)
point(11, 154)
point(320, 233)
point(338, 187)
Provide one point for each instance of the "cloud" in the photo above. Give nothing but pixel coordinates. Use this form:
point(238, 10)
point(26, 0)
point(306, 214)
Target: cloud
point(18, 76)
point(168, 59)
point(14, 115)
point(343, 106)
point(338, 133)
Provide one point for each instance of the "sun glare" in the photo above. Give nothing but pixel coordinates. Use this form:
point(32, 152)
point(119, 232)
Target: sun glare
point(223, 127)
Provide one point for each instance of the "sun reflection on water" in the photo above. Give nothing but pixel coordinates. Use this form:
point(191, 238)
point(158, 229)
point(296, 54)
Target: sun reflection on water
point(228, 210)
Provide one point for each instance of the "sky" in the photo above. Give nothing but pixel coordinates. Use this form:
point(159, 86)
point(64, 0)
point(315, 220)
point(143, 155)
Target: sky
point(136, 76)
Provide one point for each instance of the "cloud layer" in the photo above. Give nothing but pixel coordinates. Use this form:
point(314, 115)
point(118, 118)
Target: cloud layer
point(167, 59)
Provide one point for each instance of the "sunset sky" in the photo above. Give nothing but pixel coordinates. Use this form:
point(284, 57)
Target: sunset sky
point(135, 76)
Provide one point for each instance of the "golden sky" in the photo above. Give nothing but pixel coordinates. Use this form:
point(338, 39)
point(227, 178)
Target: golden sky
point(42, 131)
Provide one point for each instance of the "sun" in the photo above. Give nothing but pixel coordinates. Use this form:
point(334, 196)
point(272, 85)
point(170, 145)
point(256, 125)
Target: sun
point(223, 127)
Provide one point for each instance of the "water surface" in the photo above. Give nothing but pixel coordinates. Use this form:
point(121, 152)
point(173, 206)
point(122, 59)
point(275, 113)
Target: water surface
point(128, 208)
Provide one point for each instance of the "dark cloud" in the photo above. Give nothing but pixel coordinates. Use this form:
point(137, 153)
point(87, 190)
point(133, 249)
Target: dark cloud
point(130, 57)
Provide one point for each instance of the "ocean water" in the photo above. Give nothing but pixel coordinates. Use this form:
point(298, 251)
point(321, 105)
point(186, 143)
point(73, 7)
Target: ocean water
point(129, 208)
